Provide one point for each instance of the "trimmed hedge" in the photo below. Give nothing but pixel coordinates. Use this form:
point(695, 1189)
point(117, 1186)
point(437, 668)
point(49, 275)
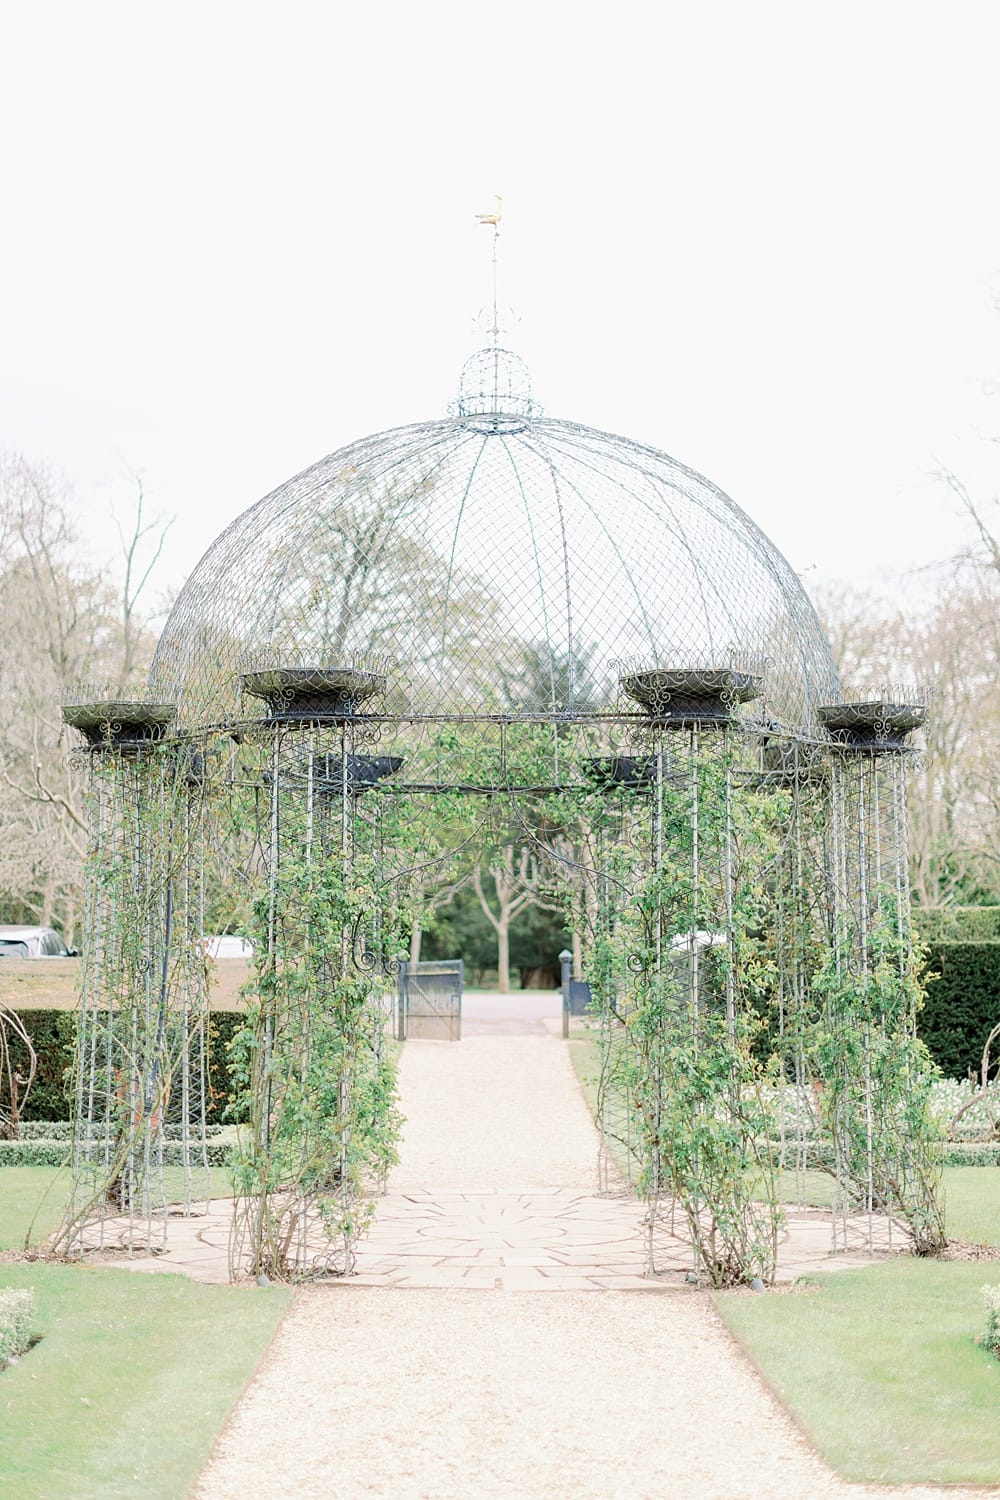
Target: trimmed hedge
point(962, 1006)
point(970, 1154)
point(62, 1130)
point(957, 924)
point(56, 1154)
point(221, 1028)
point(53, 1036)
point(34, 1153)
point(46, 1130)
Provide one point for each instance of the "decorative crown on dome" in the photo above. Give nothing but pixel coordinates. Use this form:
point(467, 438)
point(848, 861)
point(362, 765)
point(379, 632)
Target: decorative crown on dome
point(494, 392)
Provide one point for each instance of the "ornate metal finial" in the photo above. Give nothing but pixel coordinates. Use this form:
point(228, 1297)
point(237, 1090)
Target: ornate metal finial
point(492, 221)
point(494, 392)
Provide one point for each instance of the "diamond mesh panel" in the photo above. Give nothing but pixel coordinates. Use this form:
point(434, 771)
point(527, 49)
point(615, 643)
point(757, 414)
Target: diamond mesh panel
point(498, 571)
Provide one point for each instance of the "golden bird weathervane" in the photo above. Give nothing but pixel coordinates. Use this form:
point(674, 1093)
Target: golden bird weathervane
point(493, 219)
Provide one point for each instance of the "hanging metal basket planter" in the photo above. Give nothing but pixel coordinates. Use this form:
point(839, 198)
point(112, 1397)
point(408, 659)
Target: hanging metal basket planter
point(678, 697)
point(124, 724)
point(302, 694)
point(872, 728)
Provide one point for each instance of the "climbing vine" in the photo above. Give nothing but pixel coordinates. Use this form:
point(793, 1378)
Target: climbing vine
point(877, 1078)
point(315, 1078)
point(141, 1056)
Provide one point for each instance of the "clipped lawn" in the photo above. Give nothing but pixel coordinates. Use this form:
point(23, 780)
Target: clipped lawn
point(585, 1055)
point(881, 1368)
point(39, 1194)
point(972, 1207)
point(26, 1194)
point(132, 1378)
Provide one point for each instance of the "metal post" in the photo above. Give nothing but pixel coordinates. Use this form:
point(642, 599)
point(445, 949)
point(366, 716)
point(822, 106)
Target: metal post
point(401, 998)
point(565, 959)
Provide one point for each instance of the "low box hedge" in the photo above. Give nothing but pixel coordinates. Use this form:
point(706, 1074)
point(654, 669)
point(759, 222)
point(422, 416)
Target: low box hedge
point(45, 1130)
point(971, 1154)
point(36, 1153)
point(62, 1130)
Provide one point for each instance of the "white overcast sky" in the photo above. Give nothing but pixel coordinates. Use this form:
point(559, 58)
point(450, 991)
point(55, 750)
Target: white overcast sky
point(763, 237)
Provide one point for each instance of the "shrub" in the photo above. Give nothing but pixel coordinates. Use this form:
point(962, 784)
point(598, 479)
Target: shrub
point(34, 1153)
point(17, 1309)
point(46, 1130)
point(222, 1091)
point(991, 1338)
point(57, 1153)
point(963, 1004)
point(957, 924)
point(53, 1036)
point(62, 1130)
point(959, 1154)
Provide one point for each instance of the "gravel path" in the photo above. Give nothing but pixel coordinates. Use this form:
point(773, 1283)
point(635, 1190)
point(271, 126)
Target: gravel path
point(501, 1112)
point(443, 1395)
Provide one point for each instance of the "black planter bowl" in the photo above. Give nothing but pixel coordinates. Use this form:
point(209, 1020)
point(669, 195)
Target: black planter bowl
point(634, 773)
point(363, 772)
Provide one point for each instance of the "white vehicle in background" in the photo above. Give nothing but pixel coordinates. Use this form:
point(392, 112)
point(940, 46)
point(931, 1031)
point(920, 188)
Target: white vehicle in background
point(228, 945)
point(33, 942)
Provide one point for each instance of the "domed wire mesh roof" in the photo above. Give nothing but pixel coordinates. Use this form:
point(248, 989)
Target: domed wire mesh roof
point(499, 562)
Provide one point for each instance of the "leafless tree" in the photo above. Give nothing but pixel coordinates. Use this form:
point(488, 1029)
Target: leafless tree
point(948, 646)
point(516, 882)
point(64, 622)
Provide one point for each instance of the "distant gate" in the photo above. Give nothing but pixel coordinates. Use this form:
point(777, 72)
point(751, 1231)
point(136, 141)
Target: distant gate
point(430, 1001)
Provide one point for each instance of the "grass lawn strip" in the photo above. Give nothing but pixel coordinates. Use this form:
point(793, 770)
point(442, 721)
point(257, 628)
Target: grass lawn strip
point(132, 1379)
point(972, 1207)
point(881, 1369)
point(26, 1194)
point(39, 1194)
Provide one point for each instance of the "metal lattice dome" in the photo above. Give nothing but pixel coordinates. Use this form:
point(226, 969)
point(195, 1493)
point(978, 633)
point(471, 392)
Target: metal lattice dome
point(495, 561)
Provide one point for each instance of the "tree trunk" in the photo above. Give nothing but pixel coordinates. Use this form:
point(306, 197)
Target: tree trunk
point(48, 901)
point(577, 956)
point(544, 977)
point(69, 922)
point(416, 935)
point(503, 956)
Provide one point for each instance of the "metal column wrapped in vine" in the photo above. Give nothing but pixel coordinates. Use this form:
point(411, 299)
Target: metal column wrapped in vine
point(486, 635)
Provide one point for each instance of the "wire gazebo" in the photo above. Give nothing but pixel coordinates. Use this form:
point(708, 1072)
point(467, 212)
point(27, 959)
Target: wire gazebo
point(495, 628)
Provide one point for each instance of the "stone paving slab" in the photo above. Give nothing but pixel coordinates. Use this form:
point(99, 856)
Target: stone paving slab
point(569, 1239)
